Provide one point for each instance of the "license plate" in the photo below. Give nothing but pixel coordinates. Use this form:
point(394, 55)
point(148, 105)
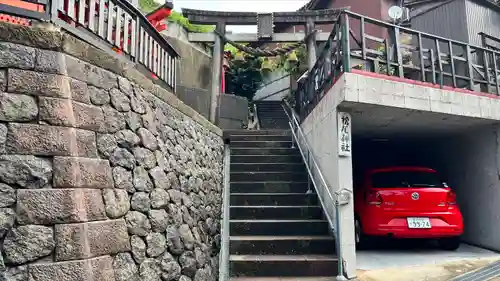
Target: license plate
point(419, 223)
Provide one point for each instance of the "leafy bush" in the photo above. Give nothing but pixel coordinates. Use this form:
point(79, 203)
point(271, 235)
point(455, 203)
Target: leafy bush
point(181, 20)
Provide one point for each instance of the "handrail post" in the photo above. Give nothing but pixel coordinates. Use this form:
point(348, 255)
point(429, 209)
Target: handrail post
point(309, 190)
point(54, 4)
point(138, 42)
point(293, 130)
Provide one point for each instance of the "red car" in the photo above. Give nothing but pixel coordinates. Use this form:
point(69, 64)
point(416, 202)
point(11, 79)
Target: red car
point(407, 202)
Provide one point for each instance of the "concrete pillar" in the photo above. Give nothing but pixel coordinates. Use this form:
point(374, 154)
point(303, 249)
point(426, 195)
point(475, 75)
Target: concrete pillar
point(347, 239)
point(217, 56)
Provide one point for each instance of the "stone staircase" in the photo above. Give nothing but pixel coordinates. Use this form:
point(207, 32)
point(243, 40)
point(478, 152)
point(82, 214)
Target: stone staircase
point(277, 231)
point(271, 115)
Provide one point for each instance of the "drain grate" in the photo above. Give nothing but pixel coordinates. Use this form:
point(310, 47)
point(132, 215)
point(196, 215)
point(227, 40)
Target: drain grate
point(482, 274)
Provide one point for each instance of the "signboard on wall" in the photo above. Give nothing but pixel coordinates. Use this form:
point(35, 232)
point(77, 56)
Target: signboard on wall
point(344, 134)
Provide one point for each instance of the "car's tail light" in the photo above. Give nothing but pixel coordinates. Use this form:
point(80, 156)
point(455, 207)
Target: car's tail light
point(373, 198)
point(451, 198)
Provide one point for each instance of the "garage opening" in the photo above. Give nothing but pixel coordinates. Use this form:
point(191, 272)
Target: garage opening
point(464, 153)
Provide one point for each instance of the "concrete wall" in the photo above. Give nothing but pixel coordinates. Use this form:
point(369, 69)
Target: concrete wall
point(233, 112)
point(194, 73)
point(320, 128)
point(102, 177)
point(470, 162)
point(277, 81)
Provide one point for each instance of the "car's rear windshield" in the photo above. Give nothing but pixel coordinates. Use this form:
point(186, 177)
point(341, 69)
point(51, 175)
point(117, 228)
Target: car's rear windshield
point(391, 179)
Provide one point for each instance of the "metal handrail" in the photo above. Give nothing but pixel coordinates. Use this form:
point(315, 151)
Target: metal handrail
point(224, 250)
point(256, 117)
point(334, 198)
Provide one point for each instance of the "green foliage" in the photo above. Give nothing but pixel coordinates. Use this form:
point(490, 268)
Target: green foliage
point(244, 78)
point(181, 20)
point(148, 6)
point(281, 62)
point(231, 48)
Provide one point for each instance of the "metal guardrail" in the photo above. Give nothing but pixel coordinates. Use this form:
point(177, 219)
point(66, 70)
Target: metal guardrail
point(107, 24)
point(224, 250)
point(329, 65)
point(320, 185)
point(401, 52)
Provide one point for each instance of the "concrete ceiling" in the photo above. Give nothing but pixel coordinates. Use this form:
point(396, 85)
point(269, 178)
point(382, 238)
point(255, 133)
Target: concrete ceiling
point(376, 121)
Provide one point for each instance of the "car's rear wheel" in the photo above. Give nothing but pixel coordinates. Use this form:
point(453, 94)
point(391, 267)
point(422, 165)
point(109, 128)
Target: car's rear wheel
point(449, 244)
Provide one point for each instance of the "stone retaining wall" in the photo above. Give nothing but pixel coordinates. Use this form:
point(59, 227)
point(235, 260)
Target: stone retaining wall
point(103, 175)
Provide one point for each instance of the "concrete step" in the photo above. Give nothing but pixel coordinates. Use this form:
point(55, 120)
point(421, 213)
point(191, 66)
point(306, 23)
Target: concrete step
point(282, 265)
point(269, 102)
point(272, 115)
point(268, 187)
point(295, 158)
point(273, 124)
point(286, 132)
point(273, 199)
point(275, 212)
point(268, 176)
point(281, 278)
point(278, 227)
point(282, 245)
point(270, 106)
point(263, 144)
point(264, 151)
point(267, 167)
point(260, 137)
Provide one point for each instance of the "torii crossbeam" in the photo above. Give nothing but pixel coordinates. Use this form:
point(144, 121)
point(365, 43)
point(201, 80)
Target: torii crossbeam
point(262, 20)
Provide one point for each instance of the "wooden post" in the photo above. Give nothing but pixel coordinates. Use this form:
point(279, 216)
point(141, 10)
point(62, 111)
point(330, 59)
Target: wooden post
point(217, 55)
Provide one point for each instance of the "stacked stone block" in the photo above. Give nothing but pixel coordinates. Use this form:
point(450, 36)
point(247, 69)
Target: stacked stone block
point(101, 178)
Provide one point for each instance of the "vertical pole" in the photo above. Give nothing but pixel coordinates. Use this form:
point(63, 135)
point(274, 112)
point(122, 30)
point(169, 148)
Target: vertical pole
point(216, 71)
point(309, 189)
point(311, 60)
point(345, 43)
point(470, 71)
point(54, 5)
point(311, 44)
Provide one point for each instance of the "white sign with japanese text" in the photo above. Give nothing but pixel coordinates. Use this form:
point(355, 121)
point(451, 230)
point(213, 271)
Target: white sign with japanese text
point(344, 134)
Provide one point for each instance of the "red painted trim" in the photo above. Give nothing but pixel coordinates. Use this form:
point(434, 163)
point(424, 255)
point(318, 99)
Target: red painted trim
point(423, 84)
